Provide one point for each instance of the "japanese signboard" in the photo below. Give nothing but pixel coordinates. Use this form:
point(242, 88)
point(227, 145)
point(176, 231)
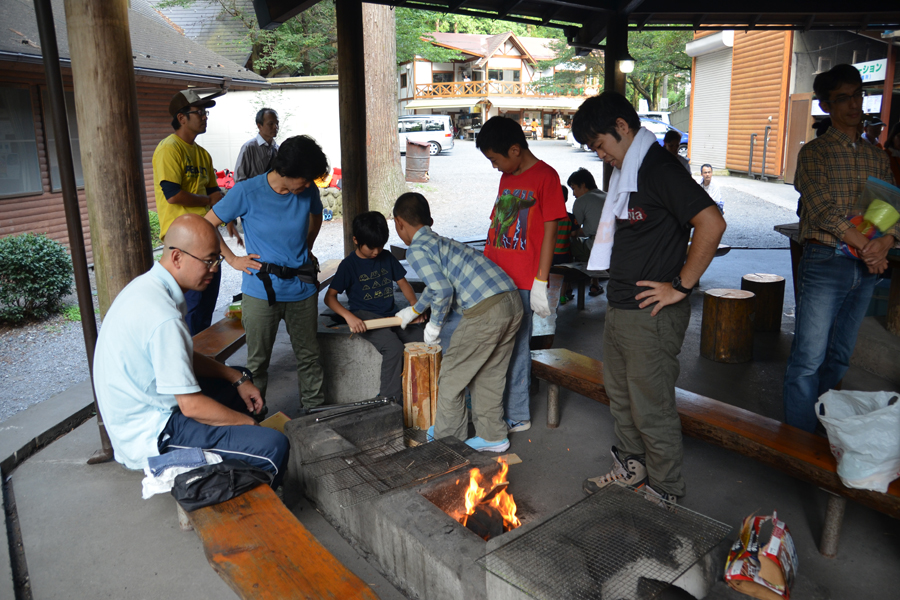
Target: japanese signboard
point(872, 70)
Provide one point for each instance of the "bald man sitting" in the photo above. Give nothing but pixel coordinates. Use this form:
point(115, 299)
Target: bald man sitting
point(155, 393)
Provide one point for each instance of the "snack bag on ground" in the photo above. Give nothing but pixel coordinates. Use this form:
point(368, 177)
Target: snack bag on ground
point(763, 565)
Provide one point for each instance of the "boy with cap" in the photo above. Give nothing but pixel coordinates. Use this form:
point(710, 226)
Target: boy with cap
point(184, 181)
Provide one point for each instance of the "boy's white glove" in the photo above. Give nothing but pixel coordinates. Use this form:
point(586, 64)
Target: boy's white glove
point(539, 302)
point(407, 315)
point(432, 332)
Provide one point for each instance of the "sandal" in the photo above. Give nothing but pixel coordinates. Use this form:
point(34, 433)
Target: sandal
point(596, 290)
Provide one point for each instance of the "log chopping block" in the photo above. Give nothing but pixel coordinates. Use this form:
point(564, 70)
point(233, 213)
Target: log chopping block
point(421, 368)
point(726, 334)
point(769, 290)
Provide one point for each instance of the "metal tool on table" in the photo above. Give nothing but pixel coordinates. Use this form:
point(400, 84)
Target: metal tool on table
point(339, 410)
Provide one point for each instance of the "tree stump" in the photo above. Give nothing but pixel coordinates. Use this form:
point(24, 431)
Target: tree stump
point(421, 368)
point(726, 334)
point(769, 290)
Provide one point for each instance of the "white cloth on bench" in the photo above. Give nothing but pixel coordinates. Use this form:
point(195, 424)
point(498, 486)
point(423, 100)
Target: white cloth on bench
point(162, 483)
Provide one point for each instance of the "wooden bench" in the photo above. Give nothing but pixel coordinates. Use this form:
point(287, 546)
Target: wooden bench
point(262, 552)
point(226, 336)
point(796, 452)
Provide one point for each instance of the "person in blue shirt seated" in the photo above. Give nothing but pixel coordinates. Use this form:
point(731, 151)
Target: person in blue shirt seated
point(367, 275)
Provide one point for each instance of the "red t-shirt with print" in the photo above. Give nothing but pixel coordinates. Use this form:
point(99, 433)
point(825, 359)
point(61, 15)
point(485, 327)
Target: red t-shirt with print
point(524, 203)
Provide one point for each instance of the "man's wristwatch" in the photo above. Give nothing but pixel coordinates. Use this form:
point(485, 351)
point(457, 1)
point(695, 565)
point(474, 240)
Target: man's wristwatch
point(243, 379)
point(676, 283)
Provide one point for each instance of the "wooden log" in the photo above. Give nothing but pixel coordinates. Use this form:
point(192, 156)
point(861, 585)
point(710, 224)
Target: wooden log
point(726, 332)
point(421, 370)
point(769, 291)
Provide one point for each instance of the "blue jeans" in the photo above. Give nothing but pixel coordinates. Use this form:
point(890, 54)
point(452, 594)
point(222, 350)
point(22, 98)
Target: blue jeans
point(260, 447)
point(202, 305)
point(834, 292)
point(516, 397)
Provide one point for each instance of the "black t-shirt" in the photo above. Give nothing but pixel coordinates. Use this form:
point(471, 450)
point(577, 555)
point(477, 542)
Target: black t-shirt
point(652, 244)
point(369, 282)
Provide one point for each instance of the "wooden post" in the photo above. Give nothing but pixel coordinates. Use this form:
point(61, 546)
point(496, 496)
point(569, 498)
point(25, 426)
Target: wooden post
point(421, 370)
point(552, 405)
point(726, 332)
point(613, 78)
point(769, 291)
point(352, 112)
point(106, 105)
point(893, 314)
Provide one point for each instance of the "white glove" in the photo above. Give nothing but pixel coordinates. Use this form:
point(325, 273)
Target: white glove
point(432, 333)
point(539, 302)
point(407, 315)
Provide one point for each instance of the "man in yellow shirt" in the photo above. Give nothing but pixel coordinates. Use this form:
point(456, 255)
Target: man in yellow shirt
point(184, 181)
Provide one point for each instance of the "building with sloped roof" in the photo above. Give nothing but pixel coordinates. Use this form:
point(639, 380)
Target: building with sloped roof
point(165, 61)
point(495, 75)
point(207, 23)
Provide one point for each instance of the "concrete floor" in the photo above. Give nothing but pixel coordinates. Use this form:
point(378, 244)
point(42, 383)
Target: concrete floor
point(88, 534)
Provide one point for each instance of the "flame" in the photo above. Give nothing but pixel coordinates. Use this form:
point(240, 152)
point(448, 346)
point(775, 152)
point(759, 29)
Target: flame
point(502, 501)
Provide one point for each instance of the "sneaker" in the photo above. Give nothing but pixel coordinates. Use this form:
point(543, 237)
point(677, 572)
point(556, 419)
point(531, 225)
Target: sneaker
point(514, 426)
point(482, 445)
point(629, 470)
point(661, 499)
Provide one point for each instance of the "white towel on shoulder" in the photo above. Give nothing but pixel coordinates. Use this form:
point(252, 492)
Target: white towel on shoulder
point(621, 184)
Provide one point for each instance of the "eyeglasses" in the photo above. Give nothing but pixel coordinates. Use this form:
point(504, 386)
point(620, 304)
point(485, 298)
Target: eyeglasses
point(201, 112)
point(858, 94)
point(210, 264)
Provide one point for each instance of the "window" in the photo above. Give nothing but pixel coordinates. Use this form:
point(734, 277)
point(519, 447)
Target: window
point(412, 126)
point(20, 171)
point(504, 74)
point(55, 183)
point(403, 80)
point(477, 75)
point(442, 77)
point(434, 126)
point(495, 75)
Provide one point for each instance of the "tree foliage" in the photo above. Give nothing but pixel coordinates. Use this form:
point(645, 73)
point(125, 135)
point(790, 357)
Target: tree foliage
point(35, 275)
point(304, 45)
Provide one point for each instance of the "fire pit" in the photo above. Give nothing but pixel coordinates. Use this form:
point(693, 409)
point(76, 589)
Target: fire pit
point(452, 531)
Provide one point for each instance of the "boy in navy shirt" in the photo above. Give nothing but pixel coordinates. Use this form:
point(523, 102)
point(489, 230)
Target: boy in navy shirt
point(368, 275)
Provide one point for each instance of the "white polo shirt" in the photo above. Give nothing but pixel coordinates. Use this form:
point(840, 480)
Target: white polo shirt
point(144, 356)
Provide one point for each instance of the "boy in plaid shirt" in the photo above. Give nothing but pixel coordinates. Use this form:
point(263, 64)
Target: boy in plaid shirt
point(481, 346)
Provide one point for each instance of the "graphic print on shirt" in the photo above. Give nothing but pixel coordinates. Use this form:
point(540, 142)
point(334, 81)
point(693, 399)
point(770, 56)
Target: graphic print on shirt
point(509, 223)
point(376, 285)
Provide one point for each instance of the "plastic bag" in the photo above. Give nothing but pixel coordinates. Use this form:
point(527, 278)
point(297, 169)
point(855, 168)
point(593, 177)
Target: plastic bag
point(876, 211)
point(864, 434)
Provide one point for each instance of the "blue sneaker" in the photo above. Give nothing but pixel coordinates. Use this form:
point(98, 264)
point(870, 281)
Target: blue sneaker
point(482, 445)
point(429, 435)
point(517, 425)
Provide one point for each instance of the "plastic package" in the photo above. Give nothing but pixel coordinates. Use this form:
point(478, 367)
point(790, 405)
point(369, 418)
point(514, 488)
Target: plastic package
point(864, 434)
point(877, 211)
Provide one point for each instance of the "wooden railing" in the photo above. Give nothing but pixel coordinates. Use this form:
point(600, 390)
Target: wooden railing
point(483, 88)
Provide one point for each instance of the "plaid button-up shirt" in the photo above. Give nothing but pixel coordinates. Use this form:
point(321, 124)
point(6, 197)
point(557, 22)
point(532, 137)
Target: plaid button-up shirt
point(450, 268)
point(831, 174)
point(255, 158)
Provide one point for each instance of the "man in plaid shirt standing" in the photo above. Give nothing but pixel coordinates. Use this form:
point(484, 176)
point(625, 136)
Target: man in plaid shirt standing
point(833, 289)
point(480, 348)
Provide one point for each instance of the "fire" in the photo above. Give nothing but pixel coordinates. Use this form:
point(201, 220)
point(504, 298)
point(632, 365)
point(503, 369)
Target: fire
point(476, 492)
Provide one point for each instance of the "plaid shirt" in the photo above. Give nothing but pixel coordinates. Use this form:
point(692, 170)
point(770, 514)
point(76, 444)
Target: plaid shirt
point(451, 268)
point(831, 174)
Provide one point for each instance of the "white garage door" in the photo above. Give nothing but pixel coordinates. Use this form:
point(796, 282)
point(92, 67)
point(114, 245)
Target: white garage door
point(712, 97)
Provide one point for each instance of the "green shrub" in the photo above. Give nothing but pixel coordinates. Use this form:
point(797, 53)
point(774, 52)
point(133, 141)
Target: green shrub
point(155, 242)
point(35, 275)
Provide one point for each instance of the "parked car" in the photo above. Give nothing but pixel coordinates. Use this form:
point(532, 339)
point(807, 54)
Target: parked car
point(570, 140)
point(434, 130)
point(659, 129)
point(659, 115)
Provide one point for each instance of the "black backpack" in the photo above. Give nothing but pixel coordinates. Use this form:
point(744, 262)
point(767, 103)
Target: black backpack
point(217, 483)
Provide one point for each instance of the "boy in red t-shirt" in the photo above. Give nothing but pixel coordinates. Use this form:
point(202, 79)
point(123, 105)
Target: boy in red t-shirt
point(521, 239)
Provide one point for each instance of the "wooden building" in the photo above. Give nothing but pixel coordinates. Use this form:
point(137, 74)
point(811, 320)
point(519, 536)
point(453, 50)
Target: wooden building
point(165, 62)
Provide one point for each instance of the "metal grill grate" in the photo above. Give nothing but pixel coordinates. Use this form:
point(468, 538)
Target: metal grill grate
point(613, 545)
point(383, 466)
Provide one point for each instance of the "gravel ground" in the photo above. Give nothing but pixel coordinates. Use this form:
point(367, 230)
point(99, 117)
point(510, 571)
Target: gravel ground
point(40, 360)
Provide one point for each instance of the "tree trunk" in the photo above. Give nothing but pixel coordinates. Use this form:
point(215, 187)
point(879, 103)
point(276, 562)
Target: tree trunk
point(386, 181)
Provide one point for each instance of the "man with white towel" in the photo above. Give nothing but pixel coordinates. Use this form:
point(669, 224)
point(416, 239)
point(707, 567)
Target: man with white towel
point(651, 205)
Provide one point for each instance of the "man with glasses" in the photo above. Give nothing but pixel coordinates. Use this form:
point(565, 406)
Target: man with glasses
point(833, 289)
point(184, 181)
point(155, 393)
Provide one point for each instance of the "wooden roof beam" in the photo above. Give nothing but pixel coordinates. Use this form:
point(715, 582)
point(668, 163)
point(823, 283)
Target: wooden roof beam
point(550, 15)
point(642, 20)
point(455, 5)
point(508, 7)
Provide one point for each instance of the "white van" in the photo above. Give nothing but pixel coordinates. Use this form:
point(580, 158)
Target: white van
point(434, 130)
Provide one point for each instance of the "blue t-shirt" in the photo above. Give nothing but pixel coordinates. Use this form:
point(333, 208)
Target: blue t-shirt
point(275, 228)
point(369, 282)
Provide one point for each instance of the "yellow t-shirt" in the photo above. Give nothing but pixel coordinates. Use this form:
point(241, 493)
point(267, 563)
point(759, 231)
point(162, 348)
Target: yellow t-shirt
point(187, 165)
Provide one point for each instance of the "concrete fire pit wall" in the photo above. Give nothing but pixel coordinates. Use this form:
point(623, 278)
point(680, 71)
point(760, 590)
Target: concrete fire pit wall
point(352, 366)
point(417, 546)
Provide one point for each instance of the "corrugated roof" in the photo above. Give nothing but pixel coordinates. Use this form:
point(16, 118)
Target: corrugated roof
point(156, 46)
point(207, 23)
